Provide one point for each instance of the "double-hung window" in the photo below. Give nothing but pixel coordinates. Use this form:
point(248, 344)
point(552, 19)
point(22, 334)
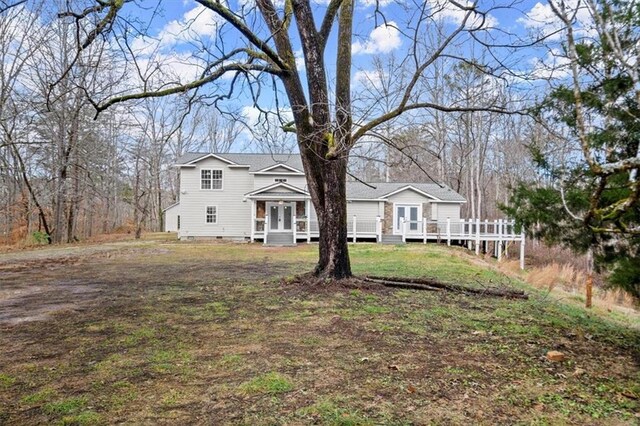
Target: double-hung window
point(211, 215)
point(210, 179)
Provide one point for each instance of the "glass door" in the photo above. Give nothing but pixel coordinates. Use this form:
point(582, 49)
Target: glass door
point(274, 217)
point(286, 211)
point(410, 214)
point(280, 217)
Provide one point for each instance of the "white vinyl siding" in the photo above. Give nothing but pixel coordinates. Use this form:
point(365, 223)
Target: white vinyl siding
point(211, 179)
point(233, 212)
point(364, 210)
point(211, 215)
point(261, 181)
point(446, 210)
point(172, 218)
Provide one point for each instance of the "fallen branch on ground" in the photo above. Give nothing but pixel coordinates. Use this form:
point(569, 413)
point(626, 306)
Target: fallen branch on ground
point(432, 285)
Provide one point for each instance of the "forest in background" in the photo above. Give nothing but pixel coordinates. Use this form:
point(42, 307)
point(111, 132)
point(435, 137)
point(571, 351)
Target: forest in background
point(66, 174)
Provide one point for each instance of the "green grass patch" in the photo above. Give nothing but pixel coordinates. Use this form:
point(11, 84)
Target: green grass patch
point(331, 414)
point(169, 360)
point(271, 383)
point(43, 395)
point(66, 406)
point(84, 418)
point(6, 381)
point(231, 359)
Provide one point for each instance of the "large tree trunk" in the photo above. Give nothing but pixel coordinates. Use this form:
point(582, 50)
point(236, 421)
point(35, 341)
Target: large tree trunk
point(331, 208)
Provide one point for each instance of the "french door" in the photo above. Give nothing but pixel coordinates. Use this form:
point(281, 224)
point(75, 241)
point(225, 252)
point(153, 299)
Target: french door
point(410, 213)
point(280, 217)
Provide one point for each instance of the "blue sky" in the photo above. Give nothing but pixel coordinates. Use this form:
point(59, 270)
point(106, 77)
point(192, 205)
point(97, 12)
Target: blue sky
point(177, 31)
point(369, 41)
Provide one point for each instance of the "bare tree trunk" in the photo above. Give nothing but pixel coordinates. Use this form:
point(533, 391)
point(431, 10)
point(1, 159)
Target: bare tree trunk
point(331, 209)
point(25, 178)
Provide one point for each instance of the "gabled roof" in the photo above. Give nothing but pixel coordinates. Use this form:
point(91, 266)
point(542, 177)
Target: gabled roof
point(277, 189)
point(261, 163)
point(280, 168)
point(381, 190)
point(256, 162)
point(177, 203)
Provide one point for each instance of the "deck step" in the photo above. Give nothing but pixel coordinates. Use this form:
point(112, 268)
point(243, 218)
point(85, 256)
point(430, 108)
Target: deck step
point(284, 239)
point(392, 239)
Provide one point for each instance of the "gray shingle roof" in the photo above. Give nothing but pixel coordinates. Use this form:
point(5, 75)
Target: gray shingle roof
point(358, 190)
point(355, 190)
point(254, 161)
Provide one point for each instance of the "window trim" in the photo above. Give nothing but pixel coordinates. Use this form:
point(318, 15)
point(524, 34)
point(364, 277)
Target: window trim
point(215, 215)
point(212, 179)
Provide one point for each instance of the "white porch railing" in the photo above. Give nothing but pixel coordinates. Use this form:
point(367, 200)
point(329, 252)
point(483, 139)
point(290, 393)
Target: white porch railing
point(472, 232)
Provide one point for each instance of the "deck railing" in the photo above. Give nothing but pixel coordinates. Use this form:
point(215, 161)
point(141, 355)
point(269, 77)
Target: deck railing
point(473, 232)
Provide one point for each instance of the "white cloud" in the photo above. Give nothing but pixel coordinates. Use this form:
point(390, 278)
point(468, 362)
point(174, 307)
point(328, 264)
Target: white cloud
point(542, 19)
point(382, 39)
point(553, 65)
point(369, 78)
point(195, 23)
point(299, 56)
point(448, 11)
point(379, 3)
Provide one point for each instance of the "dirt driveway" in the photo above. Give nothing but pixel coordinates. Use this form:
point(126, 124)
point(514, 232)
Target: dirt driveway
point(38, 283)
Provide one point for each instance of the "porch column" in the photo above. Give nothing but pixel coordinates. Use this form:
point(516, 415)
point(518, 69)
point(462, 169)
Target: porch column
point(266, 226)
point(307, 212)
point(424, 230)
point(477, 236)
point(295, 229)
point(404, 230)
point(522, 244)
point(354, 227)
point(253, 220)
point(500, 239)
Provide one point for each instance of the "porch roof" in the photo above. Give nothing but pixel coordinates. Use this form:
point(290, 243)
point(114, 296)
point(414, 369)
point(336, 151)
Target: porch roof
point(278, 190)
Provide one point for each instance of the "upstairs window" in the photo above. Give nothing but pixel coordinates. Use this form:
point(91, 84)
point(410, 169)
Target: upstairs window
point(210, 179)
point(212, 214)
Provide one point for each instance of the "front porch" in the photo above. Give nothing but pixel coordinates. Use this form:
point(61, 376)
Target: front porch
point(289, 221)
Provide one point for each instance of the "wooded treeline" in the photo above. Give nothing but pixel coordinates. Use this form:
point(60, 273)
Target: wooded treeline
point(66, 176)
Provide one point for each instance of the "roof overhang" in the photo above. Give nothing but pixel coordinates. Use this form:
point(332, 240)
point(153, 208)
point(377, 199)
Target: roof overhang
point(264, 192)
point(409, 187)
point(171, 206)
point(204, 157)
point(269, 170)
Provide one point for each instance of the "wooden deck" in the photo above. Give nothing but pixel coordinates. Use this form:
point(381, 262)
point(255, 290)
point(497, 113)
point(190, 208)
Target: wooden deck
point(475, 234)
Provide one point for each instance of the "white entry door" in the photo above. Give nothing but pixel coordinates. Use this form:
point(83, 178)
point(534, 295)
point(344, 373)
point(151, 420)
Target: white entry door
point(411, 214)
point(280, 217)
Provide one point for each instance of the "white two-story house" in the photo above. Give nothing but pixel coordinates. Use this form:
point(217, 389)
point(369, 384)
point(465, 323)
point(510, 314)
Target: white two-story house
point(264, 197)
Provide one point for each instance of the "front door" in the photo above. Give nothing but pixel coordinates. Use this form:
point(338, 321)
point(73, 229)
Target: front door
point(280, 217)
point(410, 214)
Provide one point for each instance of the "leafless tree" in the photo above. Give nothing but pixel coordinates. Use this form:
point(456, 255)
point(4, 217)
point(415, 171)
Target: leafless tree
point(262, 55)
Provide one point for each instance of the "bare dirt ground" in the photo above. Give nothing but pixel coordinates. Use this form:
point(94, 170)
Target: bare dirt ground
point(169, 333)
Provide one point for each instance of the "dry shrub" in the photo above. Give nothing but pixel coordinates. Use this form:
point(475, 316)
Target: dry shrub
point(555, 268)
point(554, 275)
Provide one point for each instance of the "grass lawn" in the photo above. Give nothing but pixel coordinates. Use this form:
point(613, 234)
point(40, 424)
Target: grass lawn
point(159, 332)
